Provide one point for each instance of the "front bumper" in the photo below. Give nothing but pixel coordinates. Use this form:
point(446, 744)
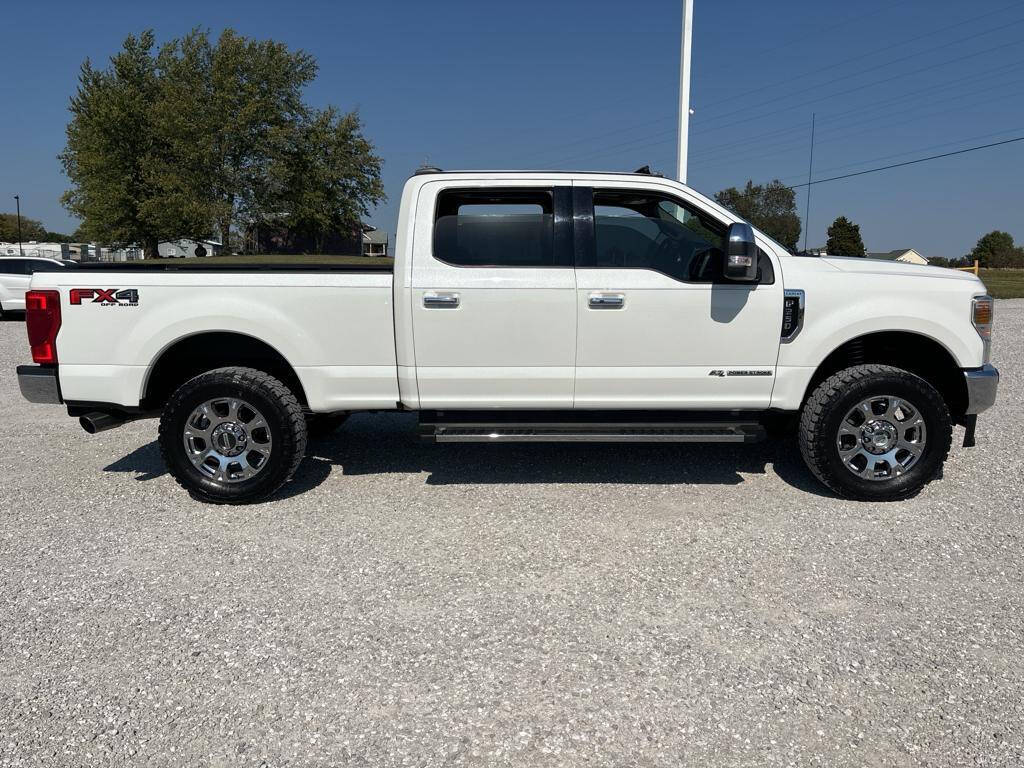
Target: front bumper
point(39, 384)
point(981, 388)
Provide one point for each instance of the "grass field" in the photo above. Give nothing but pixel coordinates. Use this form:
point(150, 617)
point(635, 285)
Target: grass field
point(1004, 283)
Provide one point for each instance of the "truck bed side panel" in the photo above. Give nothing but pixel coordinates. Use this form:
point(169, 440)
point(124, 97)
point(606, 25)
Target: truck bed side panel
point(334, 328)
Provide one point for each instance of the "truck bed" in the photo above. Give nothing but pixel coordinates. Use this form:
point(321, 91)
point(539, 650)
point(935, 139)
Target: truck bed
point(333, 324)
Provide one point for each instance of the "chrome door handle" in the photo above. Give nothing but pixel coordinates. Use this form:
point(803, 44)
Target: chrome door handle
point(607, 300)
point(441, 300)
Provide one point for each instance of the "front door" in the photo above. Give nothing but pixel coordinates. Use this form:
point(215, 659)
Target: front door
point(494, 296)
point(659, 327)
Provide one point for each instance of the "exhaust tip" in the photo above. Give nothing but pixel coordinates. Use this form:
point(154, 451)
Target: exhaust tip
point(97, 421)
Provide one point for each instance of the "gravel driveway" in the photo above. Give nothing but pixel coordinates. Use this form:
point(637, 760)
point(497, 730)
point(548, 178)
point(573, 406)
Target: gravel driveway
point(401, 604)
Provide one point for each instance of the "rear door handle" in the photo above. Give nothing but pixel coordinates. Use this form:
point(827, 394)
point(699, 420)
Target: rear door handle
point(607, 300)
point(441, 300)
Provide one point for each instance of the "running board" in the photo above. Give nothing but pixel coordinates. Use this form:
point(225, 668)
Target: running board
point(503, 432)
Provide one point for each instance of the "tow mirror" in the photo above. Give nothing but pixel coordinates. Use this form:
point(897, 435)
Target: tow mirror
point(741, 253)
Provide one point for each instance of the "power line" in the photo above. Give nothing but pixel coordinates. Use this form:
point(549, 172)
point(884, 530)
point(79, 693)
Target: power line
point(793, 146)
point(908, 152)
point(908, 162)
point(642, 143)
point(702, 158)
point(834, 80)
point(902, 43)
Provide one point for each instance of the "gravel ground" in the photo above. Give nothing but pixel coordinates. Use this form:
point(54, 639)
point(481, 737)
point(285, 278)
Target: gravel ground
point(401, 604)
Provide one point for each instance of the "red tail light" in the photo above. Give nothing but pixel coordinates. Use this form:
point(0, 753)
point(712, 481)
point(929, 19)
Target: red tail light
point(42, 320)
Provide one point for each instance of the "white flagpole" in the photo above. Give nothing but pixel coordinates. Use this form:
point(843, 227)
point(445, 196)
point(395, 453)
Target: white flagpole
point(684, 88)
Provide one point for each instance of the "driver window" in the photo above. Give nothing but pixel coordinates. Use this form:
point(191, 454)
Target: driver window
point(643, 230)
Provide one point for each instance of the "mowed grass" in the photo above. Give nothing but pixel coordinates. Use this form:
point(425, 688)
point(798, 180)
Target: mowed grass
point(1004, 283)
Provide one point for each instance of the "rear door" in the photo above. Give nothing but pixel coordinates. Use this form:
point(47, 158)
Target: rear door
point(494, 295)
point(659, 327)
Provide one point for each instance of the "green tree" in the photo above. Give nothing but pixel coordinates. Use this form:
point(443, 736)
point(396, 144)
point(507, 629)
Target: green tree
point(30, 228)
point(329, 178)
point(110, 148)
point(210, 130)
point(844, 239)
point(769, 207)
point(994, 250)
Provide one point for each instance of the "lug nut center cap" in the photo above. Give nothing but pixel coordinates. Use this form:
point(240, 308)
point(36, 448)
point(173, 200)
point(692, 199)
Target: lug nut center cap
point(229, 438)
point(878, 436)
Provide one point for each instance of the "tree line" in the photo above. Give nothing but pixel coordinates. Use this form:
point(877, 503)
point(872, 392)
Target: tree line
point(31, 229)
point(200, 137)
point(771, 208)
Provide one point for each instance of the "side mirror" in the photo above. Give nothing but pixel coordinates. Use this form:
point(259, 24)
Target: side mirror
point(740, 254)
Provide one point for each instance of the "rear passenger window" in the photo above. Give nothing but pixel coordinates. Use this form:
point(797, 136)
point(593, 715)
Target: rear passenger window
point(495, 228)
point(13, 267)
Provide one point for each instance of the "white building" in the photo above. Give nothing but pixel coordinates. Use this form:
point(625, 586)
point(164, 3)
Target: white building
point(375, 242)
point(906, 255)
point(188, 248)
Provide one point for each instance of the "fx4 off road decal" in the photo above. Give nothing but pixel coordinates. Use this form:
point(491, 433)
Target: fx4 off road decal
point(107, 297)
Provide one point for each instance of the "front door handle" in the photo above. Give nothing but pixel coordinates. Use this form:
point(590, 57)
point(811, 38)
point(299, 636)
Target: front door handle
point(607, 300)
point(441, 300)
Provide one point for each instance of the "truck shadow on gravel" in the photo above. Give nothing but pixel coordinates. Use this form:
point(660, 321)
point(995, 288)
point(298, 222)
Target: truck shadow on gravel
point(383, 444)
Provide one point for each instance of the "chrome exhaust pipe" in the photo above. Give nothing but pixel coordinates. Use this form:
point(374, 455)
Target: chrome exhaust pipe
point(98, 421)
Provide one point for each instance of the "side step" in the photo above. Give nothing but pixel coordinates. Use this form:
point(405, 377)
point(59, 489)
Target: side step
point(467, 431)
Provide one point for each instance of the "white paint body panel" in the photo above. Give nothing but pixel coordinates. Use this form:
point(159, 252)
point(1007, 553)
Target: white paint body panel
point(335, 329)
point(520, 338)
point(510, 343)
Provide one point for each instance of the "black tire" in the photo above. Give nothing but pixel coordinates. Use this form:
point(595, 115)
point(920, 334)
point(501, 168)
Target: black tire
point(320, 425)
point(284, 420)
point(832, 401)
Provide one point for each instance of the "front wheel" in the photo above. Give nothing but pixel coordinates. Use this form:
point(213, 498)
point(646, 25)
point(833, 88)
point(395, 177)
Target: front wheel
point(232, 435)
point(875, 432)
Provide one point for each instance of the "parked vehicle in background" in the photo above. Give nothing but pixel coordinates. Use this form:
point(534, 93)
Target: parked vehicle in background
point(15, 275)
point(529, 307)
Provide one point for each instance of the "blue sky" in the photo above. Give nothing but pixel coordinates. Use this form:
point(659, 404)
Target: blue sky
point(593, 85)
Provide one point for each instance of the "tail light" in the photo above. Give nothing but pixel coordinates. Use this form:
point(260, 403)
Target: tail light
point(42, 320)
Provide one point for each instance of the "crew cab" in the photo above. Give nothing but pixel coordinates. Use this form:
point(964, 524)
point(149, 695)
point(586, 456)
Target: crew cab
point(527, 307)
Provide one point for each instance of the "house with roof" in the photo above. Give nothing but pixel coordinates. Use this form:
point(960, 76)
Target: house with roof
point(375, 242)
point(905, 255)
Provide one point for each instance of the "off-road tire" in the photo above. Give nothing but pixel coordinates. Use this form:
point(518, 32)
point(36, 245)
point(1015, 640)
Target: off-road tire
point(320, 425)
point(831, 401)
point(270, 397)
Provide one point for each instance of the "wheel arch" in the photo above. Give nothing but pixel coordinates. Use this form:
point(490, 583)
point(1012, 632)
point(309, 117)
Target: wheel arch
point(912, 351)
point(195, 353)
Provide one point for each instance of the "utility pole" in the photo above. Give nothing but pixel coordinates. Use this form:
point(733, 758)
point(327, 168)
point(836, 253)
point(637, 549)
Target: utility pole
point(17, 202)
point(684, 88)
point(810, 169)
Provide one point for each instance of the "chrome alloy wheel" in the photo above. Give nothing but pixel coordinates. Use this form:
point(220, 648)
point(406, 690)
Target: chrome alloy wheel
point(227, 440)
point(881, 437)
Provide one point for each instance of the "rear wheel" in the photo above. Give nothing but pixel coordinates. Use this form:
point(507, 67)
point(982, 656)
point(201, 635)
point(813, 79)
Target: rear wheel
point(875, 432)
point(232, 435)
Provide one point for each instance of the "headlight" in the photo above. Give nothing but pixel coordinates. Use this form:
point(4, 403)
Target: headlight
point(982, 316)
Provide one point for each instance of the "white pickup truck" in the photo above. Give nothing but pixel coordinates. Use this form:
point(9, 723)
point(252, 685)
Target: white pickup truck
point(529, 306)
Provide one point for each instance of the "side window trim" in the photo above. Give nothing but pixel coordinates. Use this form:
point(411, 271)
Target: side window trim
point(562, 223)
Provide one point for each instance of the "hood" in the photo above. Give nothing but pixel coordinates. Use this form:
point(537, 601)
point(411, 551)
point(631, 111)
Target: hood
point(879, 267)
